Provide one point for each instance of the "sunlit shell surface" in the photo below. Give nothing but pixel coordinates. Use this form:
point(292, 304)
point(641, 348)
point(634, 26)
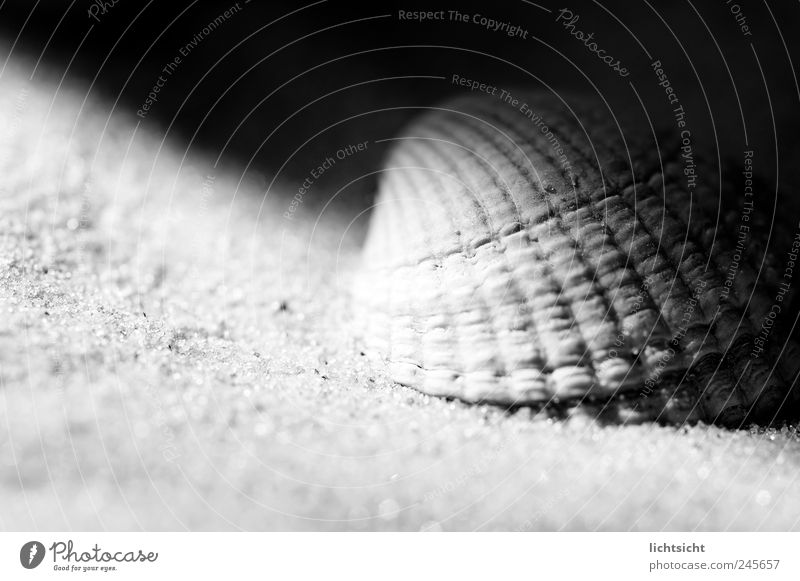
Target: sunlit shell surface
point(545, 255)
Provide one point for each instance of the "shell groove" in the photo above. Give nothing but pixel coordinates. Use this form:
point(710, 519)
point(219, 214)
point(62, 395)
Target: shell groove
point(548, 256)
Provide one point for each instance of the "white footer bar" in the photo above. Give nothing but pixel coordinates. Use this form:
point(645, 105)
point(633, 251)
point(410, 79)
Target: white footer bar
point(406, 556)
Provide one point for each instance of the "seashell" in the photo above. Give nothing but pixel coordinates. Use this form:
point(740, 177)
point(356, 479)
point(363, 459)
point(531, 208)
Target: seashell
point(547, 256)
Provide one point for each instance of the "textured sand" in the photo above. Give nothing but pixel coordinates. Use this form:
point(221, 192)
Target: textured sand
point(173, 355)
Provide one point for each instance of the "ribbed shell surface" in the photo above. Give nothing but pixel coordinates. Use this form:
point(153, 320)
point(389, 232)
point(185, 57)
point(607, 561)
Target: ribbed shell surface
point(546, 255)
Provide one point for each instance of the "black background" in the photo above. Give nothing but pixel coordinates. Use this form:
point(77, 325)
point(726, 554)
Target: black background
point(729, 83)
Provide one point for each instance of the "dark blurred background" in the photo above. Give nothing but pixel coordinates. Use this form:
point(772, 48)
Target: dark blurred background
point(275, 78)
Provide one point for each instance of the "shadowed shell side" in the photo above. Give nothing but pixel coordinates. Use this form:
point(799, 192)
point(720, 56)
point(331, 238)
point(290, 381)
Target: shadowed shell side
point(544, 255)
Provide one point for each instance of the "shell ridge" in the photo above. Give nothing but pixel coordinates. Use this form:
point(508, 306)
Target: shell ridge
point(713, 380)
point(444, 199)
point(489, 148)
point(699, 287)
point(670, 263)
point(527, 153)
point(661, 299)
point(473, 196)
point(587, 261)
point(510, 283)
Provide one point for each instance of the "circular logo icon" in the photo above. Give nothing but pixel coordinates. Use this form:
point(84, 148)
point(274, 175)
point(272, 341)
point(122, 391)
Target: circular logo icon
point(31, 554)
